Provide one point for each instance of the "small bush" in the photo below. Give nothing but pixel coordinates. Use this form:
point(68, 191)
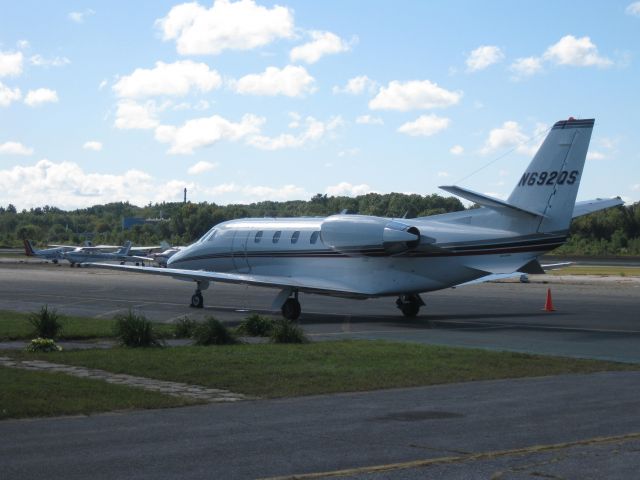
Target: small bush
point(212, 332)
point(43, 345)
point(285, 331)
point(256, 326)
point(184, 327)
point(46, 323)
point(134, 330)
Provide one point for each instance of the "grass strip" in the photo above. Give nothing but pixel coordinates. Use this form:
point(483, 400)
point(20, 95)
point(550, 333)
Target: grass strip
point(604, 270)
point(268, 370)
point(16, 326)
point(27, 393)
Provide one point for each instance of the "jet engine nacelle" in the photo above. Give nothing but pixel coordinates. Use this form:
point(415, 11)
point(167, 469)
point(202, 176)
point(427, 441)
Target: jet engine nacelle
point(362, 234)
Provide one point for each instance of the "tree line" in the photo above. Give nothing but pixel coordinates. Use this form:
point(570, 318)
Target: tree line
point(611, 232)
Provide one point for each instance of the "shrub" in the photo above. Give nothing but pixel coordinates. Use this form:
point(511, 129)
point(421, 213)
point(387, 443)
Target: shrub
point(43, 345)
point(256, 326)
point(184, 327)
point(134, 330)
point(285, 331)
point(46, 323)
point(212, 332)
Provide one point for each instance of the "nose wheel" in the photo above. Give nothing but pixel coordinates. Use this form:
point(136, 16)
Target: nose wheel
point(196, 300)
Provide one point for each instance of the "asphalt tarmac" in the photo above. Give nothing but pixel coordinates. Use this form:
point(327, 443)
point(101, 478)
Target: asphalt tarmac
point(593, 318)
point(571, 426)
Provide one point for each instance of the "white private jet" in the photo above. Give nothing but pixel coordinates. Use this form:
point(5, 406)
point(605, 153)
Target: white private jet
point(360, 256)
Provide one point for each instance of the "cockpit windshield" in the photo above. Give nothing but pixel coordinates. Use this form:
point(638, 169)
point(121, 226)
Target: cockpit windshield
point(210, 235)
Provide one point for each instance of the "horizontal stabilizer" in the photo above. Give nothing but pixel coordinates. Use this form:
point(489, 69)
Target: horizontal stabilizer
point(590, 206)
point(487, 201)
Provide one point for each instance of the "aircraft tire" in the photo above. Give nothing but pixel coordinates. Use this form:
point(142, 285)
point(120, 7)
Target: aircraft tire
point(291, 309)
point(410, 310)
point(197, 301)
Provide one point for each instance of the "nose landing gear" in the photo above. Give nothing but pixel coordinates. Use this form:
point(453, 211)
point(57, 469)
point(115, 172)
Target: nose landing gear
point(197, 301)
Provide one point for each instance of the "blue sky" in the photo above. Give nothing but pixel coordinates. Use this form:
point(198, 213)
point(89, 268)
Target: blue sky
point(247, 101)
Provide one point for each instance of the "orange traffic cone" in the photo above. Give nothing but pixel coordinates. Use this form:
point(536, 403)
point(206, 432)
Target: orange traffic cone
point(548, 305)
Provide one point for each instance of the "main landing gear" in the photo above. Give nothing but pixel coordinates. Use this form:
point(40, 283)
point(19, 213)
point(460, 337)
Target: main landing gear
point(409, 304)
point(291, 307)
point(197, 301)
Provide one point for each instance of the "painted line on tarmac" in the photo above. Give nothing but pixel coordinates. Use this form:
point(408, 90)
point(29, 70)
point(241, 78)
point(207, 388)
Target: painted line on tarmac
point(471, 457)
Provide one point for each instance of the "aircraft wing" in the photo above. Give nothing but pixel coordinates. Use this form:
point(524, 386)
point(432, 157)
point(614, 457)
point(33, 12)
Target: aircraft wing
point(300, 283)
point(533, 268)
point(590, 206)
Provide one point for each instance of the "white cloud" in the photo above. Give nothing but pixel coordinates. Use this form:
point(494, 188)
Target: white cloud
point(132, 115)
point(577, 52)
point(23, 44)
point(456, 150)
point(633, 9)
point(202, 132)
point(66, 185)
point(8, 95)
point(323, 43)
point(201, 167)
point(14, 148)
point(569, 50)
point(510, 135)
point(103, 84)
point(369, 120)
point(292, 81)
point(343, 189)
point(425, 125)
point(595, 155)
point(357, 85)
point(483, 57)
point(241, 25)
point(40, 61)
point(256, 193)
point(412, 95)
point(92, 145)
point(315, 130)
point(38, 97)
point(79, 17)
point(11, 64)
point(443, 174)
point(168, 79)
point(350, 152)
point(527, 66)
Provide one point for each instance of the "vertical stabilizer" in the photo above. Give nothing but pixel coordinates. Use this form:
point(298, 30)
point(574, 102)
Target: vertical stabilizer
point(550, 183)
point(125, 249)
point(28, 248)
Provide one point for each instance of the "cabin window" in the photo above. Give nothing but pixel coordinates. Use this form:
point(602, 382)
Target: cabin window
point(258, 237)
point(276, 236)
point(295, 236)
point(314, 237)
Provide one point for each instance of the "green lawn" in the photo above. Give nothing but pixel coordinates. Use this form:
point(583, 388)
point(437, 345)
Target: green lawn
point(269, 370)
point(27, 393)
point(16, 326)
point(604, 270)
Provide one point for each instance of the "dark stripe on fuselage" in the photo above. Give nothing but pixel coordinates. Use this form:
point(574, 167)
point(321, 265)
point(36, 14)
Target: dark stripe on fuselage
point(534, 245)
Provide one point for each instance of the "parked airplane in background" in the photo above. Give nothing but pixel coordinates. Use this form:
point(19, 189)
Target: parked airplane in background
point(54, 254)
point(361, 256)
point(83, 255)
point(161, 258)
